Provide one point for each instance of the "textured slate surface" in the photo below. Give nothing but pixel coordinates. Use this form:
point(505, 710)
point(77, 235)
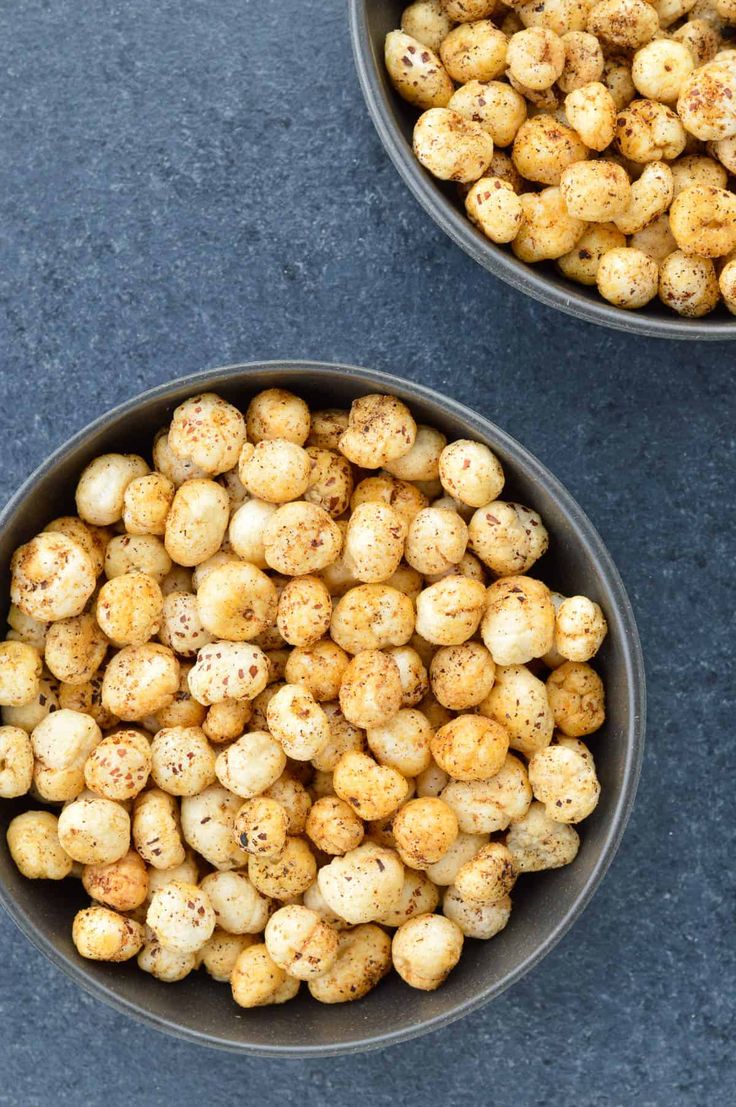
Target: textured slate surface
point(187, 185)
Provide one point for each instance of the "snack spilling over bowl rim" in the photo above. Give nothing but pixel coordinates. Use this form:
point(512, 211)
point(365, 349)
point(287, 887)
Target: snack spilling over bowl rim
point(289, 702)
point(598, 135)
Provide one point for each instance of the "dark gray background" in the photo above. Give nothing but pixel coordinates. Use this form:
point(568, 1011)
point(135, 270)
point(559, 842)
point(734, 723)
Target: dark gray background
point(187, 184)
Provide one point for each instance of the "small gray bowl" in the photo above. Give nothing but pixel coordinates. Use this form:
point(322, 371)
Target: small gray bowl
point(370, 22)
point(545, 905)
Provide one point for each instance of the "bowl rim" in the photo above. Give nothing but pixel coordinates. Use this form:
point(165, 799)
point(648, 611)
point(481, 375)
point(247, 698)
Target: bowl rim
point(634, 676)
point(524, 278)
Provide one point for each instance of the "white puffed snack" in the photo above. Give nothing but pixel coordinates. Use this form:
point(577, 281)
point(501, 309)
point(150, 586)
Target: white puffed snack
point(118, 767)
point(580, 628)
point(20, 673)
point(507, 537)
point(371, 692)
point(577, 699)
point(94, 830)
point(146, 504)
point(208, 432)
point(277, 413)
point(129, 610)
point(122, 884)
point(236, 601)
point(301, 538)
point(563, 778)
point(363, 959)
point(101, 489)
point(428, 21)
point(16, 762)
point(449, 611)
point(156, 830)
point(627, 277)
point(403, 742)
point(519, 620)
point(239, 907)
point(52, 577)
point(537, 842)
point(300, 942)
point(518, 701)
point(476, 920)
point(416, 71)
point(92, 539)
point(452, 147)
point(33, 842)
point(474, 51)
point(227, 671)
point(144, 553)
point(181, 916)
point(374, 542)
point(372, 617)
point(182, 760)
point(372, 790)
point(488, 876)
point(275, 470)
point(100, 934)
point(486, 806)
point(298, 722)
point(251, 764)
point(426, 949)
point(424, 829)
point(197, 521)
point(287, 875)
point(363, 884)
point(140, 680)
point(207, 822)
point(167, 965)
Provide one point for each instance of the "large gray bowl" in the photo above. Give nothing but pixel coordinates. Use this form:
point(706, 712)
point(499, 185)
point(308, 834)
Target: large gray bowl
point(545, 905)
point(370, 22)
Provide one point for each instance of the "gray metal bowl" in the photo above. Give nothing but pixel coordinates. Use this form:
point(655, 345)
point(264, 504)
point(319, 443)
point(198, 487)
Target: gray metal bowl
point(370, 21)
point(545, 905)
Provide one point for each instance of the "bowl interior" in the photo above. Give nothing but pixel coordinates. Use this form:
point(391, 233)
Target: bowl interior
point(543, 904)
point(371, 20)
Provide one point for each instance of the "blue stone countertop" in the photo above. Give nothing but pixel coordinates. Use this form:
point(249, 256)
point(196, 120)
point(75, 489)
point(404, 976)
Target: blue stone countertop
point(188, 185)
